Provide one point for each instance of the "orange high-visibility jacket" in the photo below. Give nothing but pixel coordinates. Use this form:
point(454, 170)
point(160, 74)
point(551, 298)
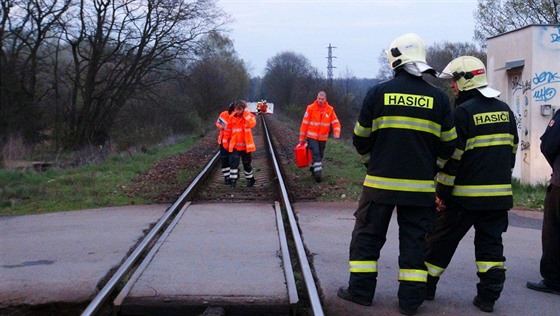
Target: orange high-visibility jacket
point(238, 132)
point(221, 124)
point(317, 122)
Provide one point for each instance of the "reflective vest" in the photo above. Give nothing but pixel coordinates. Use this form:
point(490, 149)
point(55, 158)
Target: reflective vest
point(404, 132)
point(317, 121)
point(479, 171)
point(238, 133)
point(221, 124)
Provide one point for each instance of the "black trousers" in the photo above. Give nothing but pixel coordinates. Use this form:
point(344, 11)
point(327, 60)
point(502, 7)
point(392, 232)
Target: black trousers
point(451, 227)
point(234, 159)
point(550, 260)
point(224, 159)
point(317, 148)
point(369, 236)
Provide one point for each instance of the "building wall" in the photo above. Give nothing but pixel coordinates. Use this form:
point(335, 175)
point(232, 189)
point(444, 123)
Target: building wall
point(525, 66)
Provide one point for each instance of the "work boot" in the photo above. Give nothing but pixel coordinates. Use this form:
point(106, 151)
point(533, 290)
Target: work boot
point(407, 311)
point(344, 293)
point(232, 182)
point(317, 175)
point(484, 306)
point(226, 180)
point(250, 182)
point(542, 287)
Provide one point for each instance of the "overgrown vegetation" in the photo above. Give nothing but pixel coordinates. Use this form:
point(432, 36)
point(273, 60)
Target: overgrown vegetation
point(105, 184)
point(95, 185)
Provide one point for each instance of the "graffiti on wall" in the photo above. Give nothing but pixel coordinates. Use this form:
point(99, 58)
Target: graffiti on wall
point(556, 37)
point(520, 93)
point(543, 89)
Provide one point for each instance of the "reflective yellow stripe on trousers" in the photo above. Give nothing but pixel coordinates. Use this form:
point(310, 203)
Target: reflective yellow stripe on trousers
point(363, 266)
point(484, 266)
point(434, 270)
point(413, 275)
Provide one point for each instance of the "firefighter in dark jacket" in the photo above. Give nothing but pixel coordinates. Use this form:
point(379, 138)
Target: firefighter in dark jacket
point(550, 259)
point(404, 130)
point(474, 187)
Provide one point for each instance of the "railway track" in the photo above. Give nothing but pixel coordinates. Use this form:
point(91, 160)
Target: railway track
point(208, 187)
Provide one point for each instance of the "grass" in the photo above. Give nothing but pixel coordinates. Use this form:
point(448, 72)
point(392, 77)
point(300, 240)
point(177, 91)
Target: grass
point(104, 184)
point(96, 185)
point(342, 159)
point(526, 196)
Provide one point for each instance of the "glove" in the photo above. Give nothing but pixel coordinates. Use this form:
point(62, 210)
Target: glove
point(302, 142)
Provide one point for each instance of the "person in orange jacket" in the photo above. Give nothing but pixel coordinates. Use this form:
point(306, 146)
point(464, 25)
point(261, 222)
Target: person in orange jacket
point(262, 107)
point(239, 138)
point(315, 128)
point(221, 124)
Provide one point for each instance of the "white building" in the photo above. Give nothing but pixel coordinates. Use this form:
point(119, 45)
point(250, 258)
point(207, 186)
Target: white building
point(525, 66)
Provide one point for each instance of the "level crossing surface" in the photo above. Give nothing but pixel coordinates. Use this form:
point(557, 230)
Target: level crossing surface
point(214, 255)
point(59, 257)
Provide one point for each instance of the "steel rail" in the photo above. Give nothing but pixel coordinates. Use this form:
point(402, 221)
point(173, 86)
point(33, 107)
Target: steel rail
point(125, 268)
point(302, 256)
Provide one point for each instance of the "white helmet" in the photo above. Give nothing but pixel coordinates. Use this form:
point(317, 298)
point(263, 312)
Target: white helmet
point(469, 73)
point(406, 49)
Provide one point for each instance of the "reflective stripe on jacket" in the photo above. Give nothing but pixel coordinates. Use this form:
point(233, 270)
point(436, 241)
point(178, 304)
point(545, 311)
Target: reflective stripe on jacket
point(238, 133)
point(404, 133)
point(478, 175)
point(221, 124)
point(317, 122)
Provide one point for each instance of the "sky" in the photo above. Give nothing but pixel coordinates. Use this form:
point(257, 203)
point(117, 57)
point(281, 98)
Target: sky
point(359, 29)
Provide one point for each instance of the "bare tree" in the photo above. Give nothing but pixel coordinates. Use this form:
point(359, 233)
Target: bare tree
point(120, 48)
point(290, 80)
point(218, 78)
point(27, 30)
point(494, 17)
point(385, 70)
point(439, 55)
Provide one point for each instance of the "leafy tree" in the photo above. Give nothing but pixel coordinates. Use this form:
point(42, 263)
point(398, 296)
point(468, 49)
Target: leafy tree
point(494, 17)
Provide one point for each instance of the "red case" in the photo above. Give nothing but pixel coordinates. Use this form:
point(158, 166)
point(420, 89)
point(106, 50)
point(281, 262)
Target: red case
point(303, 155)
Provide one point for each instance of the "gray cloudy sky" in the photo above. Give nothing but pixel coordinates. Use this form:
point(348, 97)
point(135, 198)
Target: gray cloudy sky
point(359, 29)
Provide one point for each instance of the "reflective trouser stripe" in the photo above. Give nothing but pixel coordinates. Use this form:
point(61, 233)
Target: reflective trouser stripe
point(484, 266)
point(363, 266)
point(233, 173)
point(434, 270)
point(225, 172)
point(413, 275)
point(249, 175)
point(317, 166)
